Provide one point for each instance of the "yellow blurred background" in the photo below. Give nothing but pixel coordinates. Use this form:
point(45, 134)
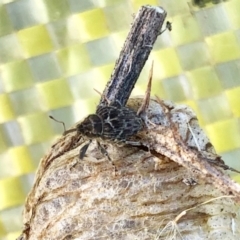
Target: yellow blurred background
point(54, 52)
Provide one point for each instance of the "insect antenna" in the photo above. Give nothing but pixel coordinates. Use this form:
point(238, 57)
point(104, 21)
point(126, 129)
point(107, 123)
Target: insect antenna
point(69, 131)
point(64, 127)
point(54, 119)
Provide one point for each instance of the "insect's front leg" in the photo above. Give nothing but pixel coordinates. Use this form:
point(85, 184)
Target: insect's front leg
point(84, 149)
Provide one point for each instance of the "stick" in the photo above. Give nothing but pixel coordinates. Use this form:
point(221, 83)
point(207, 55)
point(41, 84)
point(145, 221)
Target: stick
point(137, 47)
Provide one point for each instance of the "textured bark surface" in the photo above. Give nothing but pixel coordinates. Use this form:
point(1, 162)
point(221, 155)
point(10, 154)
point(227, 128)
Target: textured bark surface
point(88, 199)
point(144, 31)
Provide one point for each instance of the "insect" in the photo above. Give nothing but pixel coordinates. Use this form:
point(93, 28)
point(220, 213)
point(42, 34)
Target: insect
point(168, 27)
point(114, 123)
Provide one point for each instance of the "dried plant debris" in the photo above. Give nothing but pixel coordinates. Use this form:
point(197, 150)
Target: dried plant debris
point(167, 172)
point(87, 199)
point(177, 135)
point(172, 231)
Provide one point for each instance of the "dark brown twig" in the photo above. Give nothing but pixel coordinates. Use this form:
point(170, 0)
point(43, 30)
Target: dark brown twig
point(141, 38)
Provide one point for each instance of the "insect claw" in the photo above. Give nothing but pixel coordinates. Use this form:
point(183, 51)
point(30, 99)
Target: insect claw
point(220, 163)
point(232, 169)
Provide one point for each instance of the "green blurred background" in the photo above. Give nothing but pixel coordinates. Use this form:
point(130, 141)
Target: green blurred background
point(54, 52)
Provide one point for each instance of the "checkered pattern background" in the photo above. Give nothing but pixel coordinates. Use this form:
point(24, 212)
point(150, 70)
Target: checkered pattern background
point(54, 52)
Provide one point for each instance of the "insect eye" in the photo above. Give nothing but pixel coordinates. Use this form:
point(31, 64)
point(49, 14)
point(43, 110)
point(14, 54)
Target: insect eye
point(80, 128)
point(91, 126)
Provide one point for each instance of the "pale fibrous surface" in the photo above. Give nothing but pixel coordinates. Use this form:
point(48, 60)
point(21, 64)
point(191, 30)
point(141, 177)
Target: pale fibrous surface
point(138, 197)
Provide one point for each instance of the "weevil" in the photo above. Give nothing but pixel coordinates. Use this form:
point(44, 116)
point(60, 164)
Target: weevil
point(114, 123)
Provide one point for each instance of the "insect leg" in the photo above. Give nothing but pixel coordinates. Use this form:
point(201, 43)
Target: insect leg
point(104, 151)
point(221, 164)
point(133, 143)
point(137, 144)
point(83, 150)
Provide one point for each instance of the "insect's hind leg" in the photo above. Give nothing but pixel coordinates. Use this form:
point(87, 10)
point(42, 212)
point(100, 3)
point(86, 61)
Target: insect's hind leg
point(137, 144)
point(133, 143)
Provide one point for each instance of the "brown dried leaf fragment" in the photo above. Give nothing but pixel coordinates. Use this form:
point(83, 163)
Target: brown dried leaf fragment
point(178, 136)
